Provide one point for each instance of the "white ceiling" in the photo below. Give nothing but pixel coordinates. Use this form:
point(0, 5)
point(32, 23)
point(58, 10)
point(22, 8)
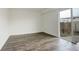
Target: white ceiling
point(42, 10)
point(47, 9)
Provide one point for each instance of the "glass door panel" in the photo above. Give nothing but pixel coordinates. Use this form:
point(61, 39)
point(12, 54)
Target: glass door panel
point(65, 23)
point(75, 37)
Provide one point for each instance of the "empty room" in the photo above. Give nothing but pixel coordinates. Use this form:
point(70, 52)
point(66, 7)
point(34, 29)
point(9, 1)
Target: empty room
point(39, 29)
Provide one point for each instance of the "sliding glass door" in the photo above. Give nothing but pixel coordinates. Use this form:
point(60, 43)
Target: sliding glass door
point(69, 24)
point(65, 23)
point(75, 25)
point(65, 20)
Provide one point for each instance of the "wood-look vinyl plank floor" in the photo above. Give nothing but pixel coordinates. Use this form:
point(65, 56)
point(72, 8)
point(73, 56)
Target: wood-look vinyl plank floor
point(38, 42)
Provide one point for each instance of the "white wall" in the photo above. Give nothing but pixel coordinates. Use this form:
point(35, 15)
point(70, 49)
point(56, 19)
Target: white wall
point(24, 21)
point(50, 22)
point(3, 26)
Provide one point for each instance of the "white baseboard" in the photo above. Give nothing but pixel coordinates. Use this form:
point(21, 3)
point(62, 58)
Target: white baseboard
point(24, 33)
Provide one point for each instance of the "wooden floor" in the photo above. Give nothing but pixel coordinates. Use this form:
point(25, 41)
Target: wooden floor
point(38, 42)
